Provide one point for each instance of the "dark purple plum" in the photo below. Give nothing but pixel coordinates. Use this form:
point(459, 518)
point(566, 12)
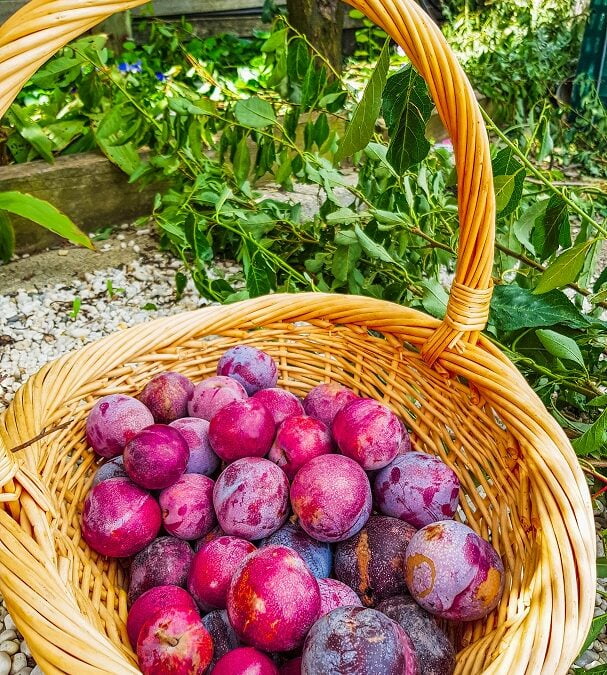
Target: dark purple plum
point(316, 554)
point(435, 653)
point(417, 488)
point(167, 396)
point(357, 640)
point(112, 469)
point(326, 400)
point(280, 402)
point(250, 366)
point(372, 561)
point(242, 429)
point(213, 394)
point(195, 432)
point(220, 629)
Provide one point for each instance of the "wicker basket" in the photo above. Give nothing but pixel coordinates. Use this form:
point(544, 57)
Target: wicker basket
point(461, 397)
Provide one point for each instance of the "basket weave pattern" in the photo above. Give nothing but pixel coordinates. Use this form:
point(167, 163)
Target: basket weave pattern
point(521, 483)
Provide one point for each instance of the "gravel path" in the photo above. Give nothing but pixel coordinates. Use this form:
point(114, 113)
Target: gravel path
point(41, 322)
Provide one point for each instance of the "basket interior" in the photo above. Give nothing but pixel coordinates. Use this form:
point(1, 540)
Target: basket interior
point(444, 415)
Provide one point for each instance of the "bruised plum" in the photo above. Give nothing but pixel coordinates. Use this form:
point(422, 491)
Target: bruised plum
point(331, 496)
point(220, 629)
point(245, 661)
point(357, 640)
point(195, 432)
point(119, 518)
point(112, 469)
point(299, 439)
point(187, 506)
point(156, 457)
point(167, 396)
point(250, 366)
point(152, 601)
point(213, 568)
point(213, 394)
point(452, 572)
point(242, 429)
point(165, 561)
point(326, 400)
point(280, 402)
point(273, 599)
point(251, 498)
point(368, 432)
point(372, 561)
point(417, 488)
point(435, 654)
point(113, 421)
point(316, 554)
point(334, 594)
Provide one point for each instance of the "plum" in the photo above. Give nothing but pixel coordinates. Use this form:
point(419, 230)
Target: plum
point(195, 432)
point(280, 402)
point(213, 568)
point(250, 366)
point(326, 400)
point(187, 506)
point(452, 572)
point(417, 488)
point(156, 457)
point(357, 640)
point(119, 518)
point(372, 561)
point(435, 654)
point(251, 498)
point(273, 599)
point(334, 594)
point(299, 439)
point(292, 667)
point(220, 629)
point(167, 396)
point(331, 496)
point(153, 601)
point(316, 554)
point(113, 421)
point(242, 429)
point(214, 393)
point(215, 533)
point(166, 561)
point(368, 432)
point(245, 661)
point(112, 469)
point(174, 641)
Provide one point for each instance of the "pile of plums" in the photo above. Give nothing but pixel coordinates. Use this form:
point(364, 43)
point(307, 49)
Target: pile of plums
point(269, 535)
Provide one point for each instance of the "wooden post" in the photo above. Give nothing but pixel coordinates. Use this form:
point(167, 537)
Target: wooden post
point(118, 27)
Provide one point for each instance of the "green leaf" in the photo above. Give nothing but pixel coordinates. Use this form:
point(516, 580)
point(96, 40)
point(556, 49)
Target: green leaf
point(524, 225)
point(598, 401)
point(435, 298)
point(125, 157)
point(31, 131)
point(593, 440)
point(242, 161)
point(259, 276)
point(49, 76)
point(372, 248)
point(346, 238)
point(602, 278)
point(406, 109)
point(597, 670)
point(601, 568)
point(344, 261)
point(513, 307)
point(561, 346)
point(550, 229)
point(44, 214)
point(63, 133)
point(254, 113)
point(547, 143)
point(508, 179)
point(565, 269)
point(360, 129)
point(7, 238)
point(275, 41)
point(180, 283)
point(596, 627)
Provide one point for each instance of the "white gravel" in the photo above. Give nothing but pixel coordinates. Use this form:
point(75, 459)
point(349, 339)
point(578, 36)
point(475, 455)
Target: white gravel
point(38, 325)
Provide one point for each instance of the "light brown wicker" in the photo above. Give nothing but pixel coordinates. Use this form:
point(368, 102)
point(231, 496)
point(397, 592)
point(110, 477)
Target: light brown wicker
point(462, 398)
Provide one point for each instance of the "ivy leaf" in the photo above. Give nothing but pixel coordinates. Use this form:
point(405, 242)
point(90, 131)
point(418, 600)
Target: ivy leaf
point(565, 269)
point(45, 214)
point(372, 248)
point(361, 126)
point(254, 113)
point(595, 629)
point(513, 307)
point(552, 228)
point(593, 439)
point(561, 346)
point(406, 110)
point(260, 276)
point(242, 161)
point(7, 238)
point(435, 298)
point(508, 179)
point(344, 261)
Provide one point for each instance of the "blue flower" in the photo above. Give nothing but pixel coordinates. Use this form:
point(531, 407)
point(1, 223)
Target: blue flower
point(161, 77)
point(130, 67)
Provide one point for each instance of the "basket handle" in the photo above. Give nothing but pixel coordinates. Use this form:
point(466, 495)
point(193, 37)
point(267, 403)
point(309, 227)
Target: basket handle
point(42, 27)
